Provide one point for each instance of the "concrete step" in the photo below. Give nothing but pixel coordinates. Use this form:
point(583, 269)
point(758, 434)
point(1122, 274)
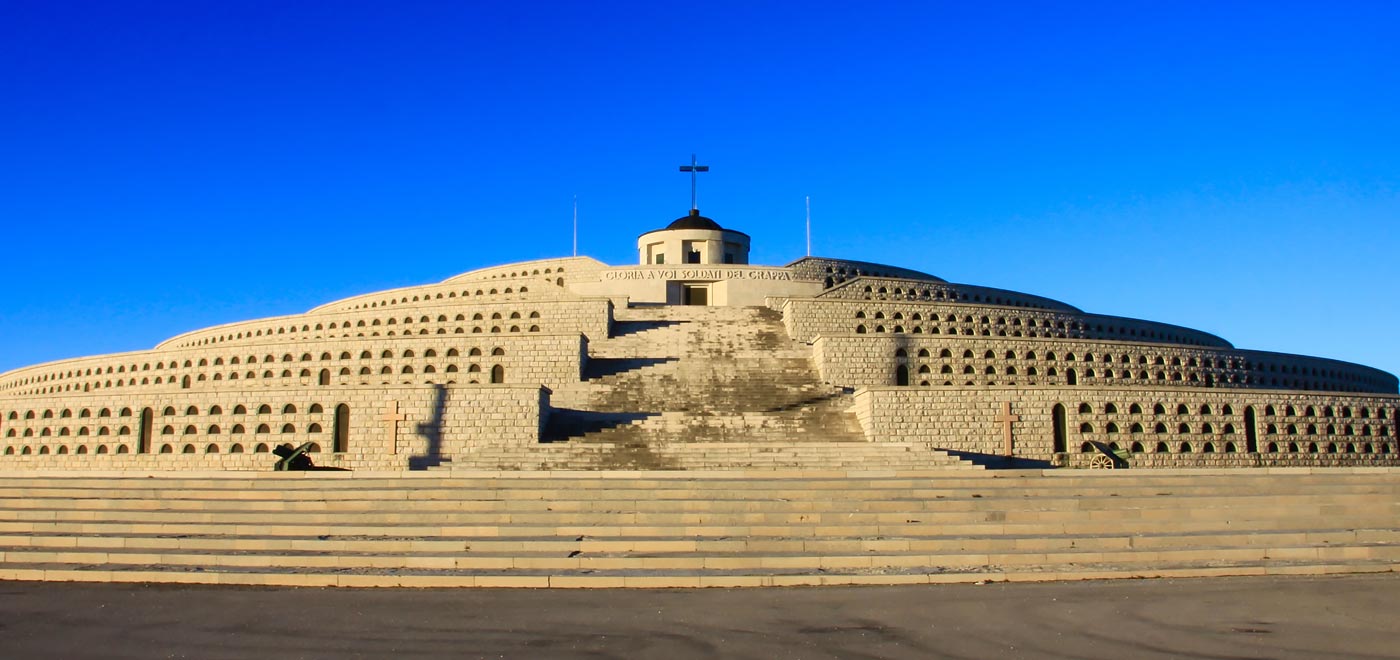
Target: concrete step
point(635, 579)
point(492, 547)
point(774, 515)
point(683, 560)
point(918, 484)
point(712, 528)
point(667, 501)
point(716, 365)
point(686, 531)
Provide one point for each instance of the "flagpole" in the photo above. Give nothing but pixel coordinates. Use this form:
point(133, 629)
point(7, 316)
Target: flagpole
point(809, 225)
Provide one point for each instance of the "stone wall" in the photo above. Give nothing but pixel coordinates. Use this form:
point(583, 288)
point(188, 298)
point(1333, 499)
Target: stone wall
point(384, 427)
point(409, 359)
point(1160, 427)
point(568, 267)
point(836, 271)
point(874, 359)
point(882, 288)
point(504, 314)
point(808, 318)
point(936, 360)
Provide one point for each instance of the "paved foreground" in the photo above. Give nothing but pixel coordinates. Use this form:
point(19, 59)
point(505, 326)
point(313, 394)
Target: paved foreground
point(1272, 617)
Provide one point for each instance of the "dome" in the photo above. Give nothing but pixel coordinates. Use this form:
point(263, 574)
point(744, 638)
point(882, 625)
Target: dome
point(694, 221)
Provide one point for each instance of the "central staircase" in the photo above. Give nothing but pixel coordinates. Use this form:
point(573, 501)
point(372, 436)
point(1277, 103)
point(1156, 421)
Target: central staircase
point(689, 388)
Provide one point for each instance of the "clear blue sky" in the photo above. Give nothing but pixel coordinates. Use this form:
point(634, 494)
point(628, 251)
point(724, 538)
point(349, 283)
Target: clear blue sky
point(1233, 167)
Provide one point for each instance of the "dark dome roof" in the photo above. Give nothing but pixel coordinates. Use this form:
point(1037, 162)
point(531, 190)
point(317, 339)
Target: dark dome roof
point(694, 221)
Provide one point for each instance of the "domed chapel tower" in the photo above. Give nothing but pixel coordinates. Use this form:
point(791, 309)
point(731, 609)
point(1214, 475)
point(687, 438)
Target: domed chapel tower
point(693, 239)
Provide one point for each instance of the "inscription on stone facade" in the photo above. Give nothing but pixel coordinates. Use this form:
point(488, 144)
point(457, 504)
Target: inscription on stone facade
point(697, 274)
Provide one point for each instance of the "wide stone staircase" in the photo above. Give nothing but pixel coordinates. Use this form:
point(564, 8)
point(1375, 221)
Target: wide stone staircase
point(690, 388)
point(689, 529)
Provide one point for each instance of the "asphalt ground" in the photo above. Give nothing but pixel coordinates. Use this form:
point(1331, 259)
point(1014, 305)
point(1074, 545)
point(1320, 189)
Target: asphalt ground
point(1219, 618)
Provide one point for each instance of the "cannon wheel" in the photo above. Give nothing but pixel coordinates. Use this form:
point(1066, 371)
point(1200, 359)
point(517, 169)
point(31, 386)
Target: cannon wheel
point(1101, 462)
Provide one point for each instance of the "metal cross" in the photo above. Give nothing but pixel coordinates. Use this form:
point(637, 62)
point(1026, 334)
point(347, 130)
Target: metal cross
point(694, 168)
point(1007, 419)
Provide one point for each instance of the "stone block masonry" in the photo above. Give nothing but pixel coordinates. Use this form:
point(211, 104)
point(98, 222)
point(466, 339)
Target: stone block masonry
point(353, 427)
point(953, 360)
point(367, 361)
point(1157, 427)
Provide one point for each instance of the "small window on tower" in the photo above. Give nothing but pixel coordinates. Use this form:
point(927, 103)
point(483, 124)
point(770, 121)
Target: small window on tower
point(661, 258)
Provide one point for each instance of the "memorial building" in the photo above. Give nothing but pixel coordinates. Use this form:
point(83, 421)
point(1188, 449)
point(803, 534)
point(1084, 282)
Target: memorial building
point(695, 358)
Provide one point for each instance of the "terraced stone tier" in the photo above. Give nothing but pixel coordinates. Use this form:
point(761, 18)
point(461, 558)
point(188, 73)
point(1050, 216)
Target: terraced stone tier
point(701, 528)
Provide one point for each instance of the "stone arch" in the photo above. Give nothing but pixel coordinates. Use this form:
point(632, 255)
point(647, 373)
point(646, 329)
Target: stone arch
point(1251, 432)
point(1058, 428)
point(498, 374)
point(901, 375)
point(143, 437)
point(340, 436)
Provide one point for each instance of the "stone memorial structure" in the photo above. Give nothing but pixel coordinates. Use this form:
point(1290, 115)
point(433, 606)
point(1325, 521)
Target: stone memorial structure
point(695, 358)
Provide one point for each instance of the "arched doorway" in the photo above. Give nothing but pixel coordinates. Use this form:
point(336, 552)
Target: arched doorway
point(1251, 435)
point(498, 374)
point(325, 378)
point(901, 375)
point(143, 438)
point(1057, 420)
point(340, 433)
point(1071, 377)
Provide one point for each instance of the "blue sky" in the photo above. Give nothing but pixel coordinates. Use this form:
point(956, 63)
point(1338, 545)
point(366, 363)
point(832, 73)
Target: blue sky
point(1233, 167)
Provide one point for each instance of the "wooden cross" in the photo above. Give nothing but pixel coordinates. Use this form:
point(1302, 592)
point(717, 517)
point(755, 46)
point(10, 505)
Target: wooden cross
point(1007, 419)
point(391, 418)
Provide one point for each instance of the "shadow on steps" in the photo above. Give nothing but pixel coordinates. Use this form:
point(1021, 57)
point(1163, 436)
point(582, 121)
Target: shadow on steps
point(624, 328)
point(604, 367)
point(812, 401)
point(999, 462)
point(565, 423)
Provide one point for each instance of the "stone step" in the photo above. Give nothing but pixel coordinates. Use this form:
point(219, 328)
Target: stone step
point(640, 529)
point(699, 523)
point(688, 501)
point(669, 501)
point(522, 579)
point(690, 531)
point(806, 523)
point(688, 560)
point(771, 512)
point(493, 547)
point(668, 360)
point(930, 482)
